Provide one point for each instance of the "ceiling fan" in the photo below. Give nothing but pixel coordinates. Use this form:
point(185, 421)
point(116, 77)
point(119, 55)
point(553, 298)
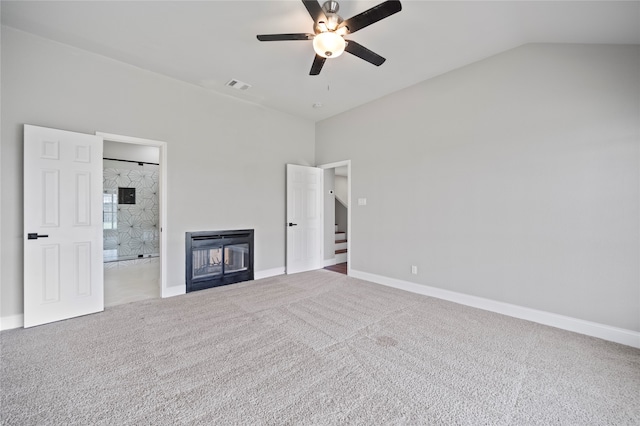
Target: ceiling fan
point(329, 31)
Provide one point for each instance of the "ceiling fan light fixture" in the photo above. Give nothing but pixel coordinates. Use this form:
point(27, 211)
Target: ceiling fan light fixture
point(329, 44)
point(329, 30)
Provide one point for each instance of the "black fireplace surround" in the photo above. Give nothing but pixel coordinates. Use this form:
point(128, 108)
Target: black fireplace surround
point(215, 258)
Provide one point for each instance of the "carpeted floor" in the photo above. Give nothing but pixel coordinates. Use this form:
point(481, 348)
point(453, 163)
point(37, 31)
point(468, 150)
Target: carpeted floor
point(316, 348)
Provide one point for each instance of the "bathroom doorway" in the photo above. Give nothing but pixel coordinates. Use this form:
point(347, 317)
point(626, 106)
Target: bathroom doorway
point(132, 220)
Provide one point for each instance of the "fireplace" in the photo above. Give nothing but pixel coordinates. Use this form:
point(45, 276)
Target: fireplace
point(215, 258)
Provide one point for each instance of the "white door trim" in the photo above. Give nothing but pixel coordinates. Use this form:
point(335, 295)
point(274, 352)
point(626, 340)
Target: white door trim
point(162, 201)
point(349, 204)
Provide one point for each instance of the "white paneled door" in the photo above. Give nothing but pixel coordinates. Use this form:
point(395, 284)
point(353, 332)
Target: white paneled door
point(304, 218)
point(63, 276)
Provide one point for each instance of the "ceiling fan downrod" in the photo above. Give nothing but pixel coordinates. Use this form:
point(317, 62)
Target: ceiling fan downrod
point(330, 9)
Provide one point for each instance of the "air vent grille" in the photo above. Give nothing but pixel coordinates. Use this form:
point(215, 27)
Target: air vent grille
point(237, 84)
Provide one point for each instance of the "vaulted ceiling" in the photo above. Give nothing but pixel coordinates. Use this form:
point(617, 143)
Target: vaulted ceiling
point(208, 43)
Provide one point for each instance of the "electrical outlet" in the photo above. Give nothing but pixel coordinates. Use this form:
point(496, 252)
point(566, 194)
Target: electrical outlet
point(414, 269)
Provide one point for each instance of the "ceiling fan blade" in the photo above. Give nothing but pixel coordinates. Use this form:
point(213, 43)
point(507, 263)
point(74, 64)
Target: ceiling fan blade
point(315, 10)
point(281, 37)
point(371, 16)
point(362, 52)
point(316, 67)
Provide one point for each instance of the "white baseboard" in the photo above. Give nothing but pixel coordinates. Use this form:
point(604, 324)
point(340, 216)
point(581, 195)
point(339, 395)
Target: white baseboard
point(602, 331)
point(329, 262)
point(267, 273)
point(174, 291)
point(11, 321)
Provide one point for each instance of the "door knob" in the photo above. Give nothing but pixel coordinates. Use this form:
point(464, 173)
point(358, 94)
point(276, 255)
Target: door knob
point(293, 224)
point(35, 236)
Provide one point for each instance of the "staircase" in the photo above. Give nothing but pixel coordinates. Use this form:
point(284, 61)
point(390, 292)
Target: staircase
point(341, 246)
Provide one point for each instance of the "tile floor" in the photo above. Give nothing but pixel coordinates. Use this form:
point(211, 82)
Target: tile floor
point(131, 280)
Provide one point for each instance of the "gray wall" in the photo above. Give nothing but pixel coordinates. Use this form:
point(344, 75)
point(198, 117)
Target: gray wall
point(226, 158)
point(342, 196)
point(342, 219)
point(342, 189)
point(514, 179)
point(329, 214)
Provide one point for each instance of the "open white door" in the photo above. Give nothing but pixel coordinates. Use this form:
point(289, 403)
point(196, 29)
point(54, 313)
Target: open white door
point(304, 218)
point(63, 276)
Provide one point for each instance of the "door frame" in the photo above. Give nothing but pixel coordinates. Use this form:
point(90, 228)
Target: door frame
point(162, 201)
point(349, 204)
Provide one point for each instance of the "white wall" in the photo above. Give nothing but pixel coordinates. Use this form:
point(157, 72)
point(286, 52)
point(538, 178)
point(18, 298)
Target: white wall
point(515, 179)
point(226, 158)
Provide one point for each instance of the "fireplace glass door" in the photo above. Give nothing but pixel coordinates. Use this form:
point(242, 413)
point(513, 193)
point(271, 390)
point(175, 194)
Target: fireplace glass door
point(236, 258)
point(207, 262)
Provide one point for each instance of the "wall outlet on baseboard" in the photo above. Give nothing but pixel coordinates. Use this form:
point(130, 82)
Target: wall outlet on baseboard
point(414, 269)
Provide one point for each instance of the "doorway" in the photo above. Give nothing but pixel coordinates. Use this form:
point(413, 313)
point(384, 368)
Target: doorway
point(337, 213)
point(133, 214)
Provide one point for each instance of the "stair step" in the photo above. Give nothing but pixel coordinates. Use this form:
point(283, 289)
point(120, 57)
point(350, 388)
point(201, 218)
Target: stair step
point(341, 236)
point(341, 251)
point(341, 257)
point(340, 246)
point(340, 241)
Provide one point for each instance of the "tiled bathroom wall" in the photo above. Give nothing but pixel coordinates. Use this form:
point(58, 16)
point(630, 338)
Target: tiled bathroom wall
point(130, 230)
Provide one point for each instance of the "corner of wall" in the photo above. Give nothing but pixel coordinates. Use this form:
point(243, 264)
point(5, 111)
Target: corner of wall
point(12, 321)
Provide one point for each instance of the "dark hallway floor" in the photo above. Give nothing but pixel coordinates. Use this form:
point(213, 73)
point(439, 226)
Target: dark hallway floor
point(340, 268)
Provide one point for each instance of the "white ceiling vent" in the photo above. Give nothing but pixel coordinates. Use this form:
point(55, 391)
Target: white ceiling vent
point(237, 84)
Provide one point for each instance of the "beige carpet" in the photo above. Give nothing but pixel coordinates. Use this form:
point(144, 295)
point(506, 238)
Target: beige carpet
point(316, 348)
